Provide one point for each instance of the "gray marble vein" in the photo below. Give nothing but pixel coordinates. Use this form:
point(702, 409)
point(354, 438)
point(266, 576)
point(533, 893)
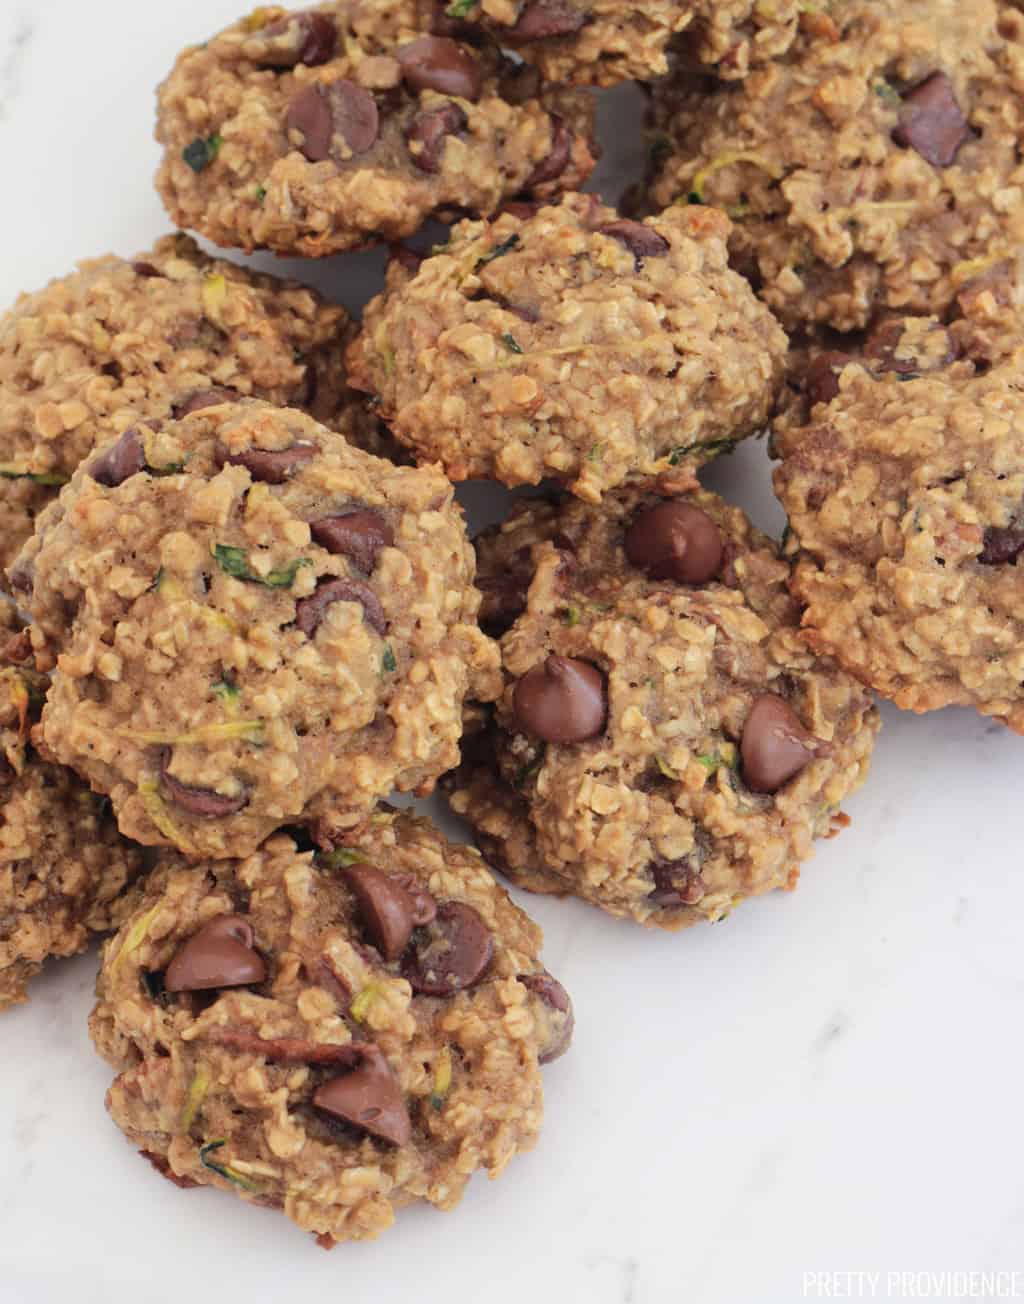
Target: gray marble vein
point(17, 35)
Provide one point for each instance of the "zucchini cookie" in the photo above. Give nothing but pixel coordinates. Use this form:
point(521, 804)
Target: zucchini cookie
point(336, 1038)
point(602, 42)
point(322, 130)
point(249, 616)
point(64, 868)
point(117, 340)
point(667, 744)
point(874, 168)
point(574, 345)
point(905, 495)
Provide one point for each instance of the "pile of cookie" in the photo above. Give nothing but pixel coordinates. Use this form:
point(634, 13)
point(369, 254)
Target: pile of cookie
point(245, 607)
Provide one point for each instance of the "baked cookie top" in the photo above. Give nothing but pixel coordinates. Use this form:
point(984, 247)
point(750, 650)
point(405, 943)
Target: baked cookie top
point(904, 490)
point(151, 337)
point(336, 1038)
point(320, 130)
point(64, 868)
point(571, 344)
point(873, 168)
point(248, 615)
point(666, 744)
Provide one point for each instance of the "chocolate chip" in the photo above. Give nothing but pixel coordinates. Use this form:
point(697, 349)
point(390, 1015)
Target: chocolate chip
point(119, 461)
point(932, 122)
point(359, 535)
point(449, 954)
point(520, 83)
point(145, 270)
point(430, 129)
point(386, 909)
point(541, 20)
point(676, 883)
point(563, 1021)
point(775, 746)
point(369, 1098)
point(271, 466)
point(221, 954)
point(341, 109)
point(437, 63)
point(552, 167)
point(313, 40)
point(203, 398)
point(1002, 545)
point(203, 802)
point(309, 612)
point(675, 541)
point(561, 701)
point(821, 379)
point(641, 241)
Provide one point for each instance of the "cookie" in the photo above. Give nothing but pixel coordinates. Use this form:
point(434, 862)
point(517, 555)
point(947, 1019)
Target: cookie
point(872, 169)
point(335, 1038)
point(64, 869)
point(251, 616)
point(573, 345)
point(325, 129)
point(117, 340)
point(603, 42)
point(904, 489)
point(667, 744)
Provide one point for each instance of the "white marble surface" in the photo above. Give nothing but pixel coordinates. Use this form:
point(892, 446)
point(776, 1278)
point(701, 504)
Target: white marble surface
point(830, 1081)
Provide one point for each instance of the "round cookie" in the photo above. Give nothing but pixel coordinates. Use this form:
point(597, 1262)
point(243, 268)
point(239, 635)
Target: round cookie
point(316, 131)
point(874, 168)
point(248, 617)
point(571, 344)
point(336, 1038)
point(63, 866)
point(119, 339)
point(667, 744)
point(904, 488)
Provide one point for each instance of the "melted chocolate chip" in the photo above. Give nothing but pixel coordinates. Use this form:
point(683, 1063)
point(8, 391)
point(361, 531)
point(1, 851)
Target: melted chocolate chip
point(449, 954)
point(221, 954)
point(202, 802)
point(563, 1021)
point(562, 701)
point(309, 612)
point(520, 83)
point(369, 1098)
point(775, 746)
point(437, 63)
point(430, 129)
point(271, 466)
point(386, 910)
point(542, 20)
point(359, 535)
point(675, 541)
point(341, 109)
point(821, 379)
point(314, 38)
point(676, 883)
point(203, 398)
point(932, 122)
point(119, 461)
point(641, 241)
point(552, 167)
point(1002, 545)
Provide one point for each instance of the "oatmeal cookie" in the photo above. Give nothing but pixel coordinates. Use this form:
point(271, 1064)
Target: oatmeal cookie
point(336, 1038)
point(602, 42)
point(64, 869)
point(325, 129)
point(874, 168)
point(667, 744)
point(152, 337)
point(249, 616)
point(905, 495)
point(573, 345)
